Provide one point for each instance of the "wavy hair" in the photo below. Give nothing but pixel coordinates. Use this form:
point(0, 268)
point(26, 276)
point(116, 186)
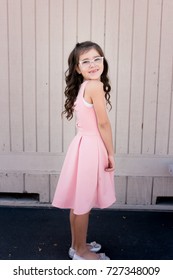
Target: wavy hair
point(74, 79)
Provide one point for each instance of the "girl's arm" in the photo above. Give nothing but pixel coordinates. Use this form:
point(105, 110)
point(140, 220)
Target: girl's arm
point(94, 91)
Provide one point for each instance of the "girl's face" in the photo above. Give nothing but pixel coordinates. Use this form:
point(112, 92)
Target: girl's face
point(90, 65)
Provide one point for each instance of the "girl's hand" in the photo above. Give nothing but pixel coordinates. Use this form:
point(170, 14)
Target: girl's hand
point(111, 164)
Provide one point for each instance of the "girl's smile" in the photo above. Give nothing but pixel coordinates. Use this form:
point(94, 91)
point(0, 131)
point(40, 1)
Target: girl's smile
point(94, 71)
point(90, 65)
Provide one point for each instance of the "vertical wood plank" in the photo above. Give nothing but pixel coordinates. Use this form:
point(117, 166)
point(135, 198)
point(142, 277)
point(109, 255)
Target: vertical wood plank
point(111, 53)
point(70, 28)
point(120, 190)
point(170, 151)
point(165, 78)
point(35, 58)
point(11, 183)
point(56, 74)
point(28, 35)
point(139, 190)
point(70, 37)
point(4, 88)
point(84, 20)
point(98, 17)
point(162, 187)
point(42, 74)
point(138, 70)
point(38, 184)
point(15, 59)
point(151, 76)
point(124, 75)
point(53, 185)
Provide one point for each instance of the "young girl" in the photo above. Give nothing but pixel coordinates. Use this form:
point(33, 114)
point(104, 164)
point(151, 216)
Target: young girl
point(87, 176)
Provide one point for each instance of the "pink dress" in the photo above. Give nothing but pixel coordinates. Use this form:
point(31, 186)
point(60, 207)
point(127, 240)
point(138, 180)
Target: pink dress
point(83, 183)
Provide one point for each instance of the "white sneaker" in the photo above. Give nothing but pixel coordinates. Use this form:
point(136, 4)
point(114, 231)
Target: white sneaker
point(95, 247)
point(102, 257)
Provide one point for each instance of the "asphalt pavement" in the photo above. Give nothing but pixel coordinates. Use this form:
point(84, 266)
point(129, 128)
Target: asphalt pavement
point(42, 233)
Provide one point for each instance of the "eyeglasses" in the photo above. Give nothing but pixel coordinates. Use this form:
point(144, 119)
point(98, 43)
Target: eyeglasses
point(87, 62)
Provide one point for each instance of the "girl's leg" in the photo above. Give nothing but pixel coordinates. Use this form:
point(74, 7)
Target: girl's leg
point(79, 228)
point(80, 232)
point(72, 226)
point(72, 218)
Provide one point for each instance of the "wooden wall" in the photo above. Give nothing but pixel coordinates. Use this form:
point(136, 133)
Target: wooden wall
point(36, 37)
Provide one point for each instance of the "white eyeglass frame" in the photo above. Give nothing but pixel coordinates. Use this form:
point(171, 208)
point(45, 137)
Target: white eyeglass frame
point(94, 60)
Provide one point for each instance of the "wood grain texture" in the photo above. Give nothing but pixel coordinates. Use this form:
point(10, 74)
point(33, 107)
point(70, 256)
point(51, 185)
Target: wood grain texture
point(36, 38)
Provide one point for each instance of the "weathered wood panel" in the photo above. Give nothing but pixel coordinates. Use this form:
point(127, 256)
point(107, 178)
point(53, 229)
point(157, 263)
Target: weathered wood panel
point(98, 22)
point(138, 74)
point(42, 75)
point(29, 74)
point(165, 79)
point(162, 187)
point(15, 74)
point(70, 38)
point(111, 53)
point(121, 190)
point(56, 74)
point(38, 184)
point(36, 38)
point(53, 184)
point(170, 149)
point(11, 183)
point(151, 76)
point(139, 190)
point(4, 80)
point(124, 75)
point(84, 23)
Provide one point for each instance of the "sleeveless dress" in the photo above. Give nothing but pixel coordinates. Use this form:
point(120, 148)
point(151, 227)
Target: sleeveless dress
point(83, 183)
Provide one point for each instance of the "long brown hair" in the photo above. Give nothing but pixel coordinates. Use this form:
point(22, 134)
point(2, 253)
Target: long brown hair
point(74, 79)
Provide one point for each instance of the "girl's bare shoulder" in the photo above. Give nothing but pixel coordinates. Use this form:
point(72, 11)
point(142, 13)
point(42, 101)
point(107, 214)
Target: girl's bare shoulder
point(94, 86)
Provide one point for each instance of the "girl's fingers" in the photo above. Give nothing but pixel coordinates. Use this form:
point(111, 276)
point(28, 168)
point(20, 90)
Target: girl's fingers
point(109, 169)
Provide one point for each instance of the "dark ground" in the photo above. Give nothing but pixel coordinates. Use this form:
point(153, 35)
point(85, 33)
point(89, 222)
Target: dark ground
point(43, 234)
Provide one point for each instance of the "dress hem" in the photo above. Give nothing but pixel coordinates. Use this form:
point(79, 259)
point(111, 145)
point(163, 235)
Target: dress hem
point(84, 212)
